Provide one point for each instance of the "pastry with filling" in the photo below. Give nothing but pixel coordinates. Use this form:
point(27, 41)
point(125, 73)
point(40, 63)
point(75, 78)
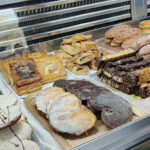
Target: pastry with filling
point(51, 68)
point(25, 72)
point(84, 57)
point(39, 54)
point(77, 69)
point(64, 56)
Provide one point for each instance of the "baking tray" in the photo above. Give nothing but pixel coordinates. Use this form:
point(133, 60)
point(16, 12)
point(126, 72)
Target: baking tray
point(69, 142)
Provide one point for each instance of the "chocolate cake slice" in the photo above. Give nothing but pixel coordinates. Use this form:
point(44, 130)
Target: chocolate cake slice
point(128, 73)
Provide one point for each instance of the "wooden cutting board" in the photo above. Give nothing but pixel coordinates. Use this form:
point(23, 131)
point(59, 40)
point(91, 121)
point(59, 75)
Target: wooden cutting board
point(67, 141)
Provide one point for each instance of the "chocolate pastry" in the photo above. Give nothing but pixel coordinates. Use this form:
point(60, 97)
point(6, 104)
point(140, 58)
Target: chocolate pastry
point(82, 88)
point(115, 111)
point(126, 73)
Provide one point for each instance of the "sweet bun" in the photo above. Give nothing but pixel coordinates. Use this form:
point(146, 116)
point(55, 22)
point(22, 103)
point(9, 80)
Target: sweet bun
point(145, 26)
point(45, 97)
point(68, 115)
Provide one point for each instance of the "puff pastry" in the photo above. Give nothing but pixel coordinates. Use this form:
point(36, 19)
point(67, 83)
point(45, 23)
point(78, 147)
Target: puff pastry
point(77, 69)
point(25, 72)
point(84, 57)
point(27, 89)
point(39, 54)
point(5, 68)
point(77, 44)
point(51, 68)
point(94, 64)
point(63, 56)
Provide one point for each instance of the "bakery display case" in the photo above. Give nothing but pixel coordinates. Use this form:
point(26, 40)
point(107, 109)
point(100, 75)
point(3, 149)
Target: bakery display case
point(44, 41)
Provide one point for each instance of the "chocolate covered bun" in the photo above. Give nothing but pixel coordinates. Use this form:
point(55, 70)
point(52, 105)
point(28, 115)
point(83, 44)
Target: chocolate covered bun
point(115, 111)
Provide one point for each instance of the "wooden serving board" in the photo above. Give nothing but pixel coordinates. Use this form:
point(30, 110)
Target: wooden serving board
point(67, 141)
point(101, 42)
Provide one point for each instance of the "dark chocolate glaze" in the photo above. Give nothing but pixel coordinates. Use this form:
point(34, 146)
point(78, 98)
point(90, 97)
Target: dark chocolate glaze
point(115, 111)
point(82, 88)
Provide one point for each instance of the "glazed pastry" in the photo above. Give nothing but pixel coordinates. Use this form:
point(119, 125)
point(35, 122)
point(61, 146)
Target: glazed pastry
point(10, 111)
point(145, 50)
point(45, 97)
point(115, 31)
point(67, 115)
point(77, 69)
point(27, 89)
point(115, 111)
point(25, 72)
point(84, 57)
point(51, 68)
point(5, 68)
point(129, 42)
point(39, 54)
point(126, 35)
point(64, 56)
point(141, 42)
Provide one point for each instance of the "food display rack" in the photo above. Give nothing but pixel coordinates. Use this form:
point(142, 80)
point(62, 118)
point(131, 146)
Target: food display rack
point(44, 25)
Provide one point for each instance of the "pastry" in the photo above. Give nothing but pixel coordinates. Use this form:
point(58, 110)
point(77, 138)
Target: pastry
point(77, 44)
point(72, 49)
point(145, 51)
point(127, 74)
point(145, 26)
point(27, 89)
point(115, 111)
point(25, 72)
point(10, 111)
point(139, 43)
point(45, 97)
point(51, 68)
point(77, 69)
point(39, 54)
point(108, 41)
point(115, 31)
point(5, 68)
point(126, 35)
point(84, 57)
point(67, 115)
point(130, 42)
point(64, 56)
point(114, 44)
point(81, 88)
point(94, 64)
